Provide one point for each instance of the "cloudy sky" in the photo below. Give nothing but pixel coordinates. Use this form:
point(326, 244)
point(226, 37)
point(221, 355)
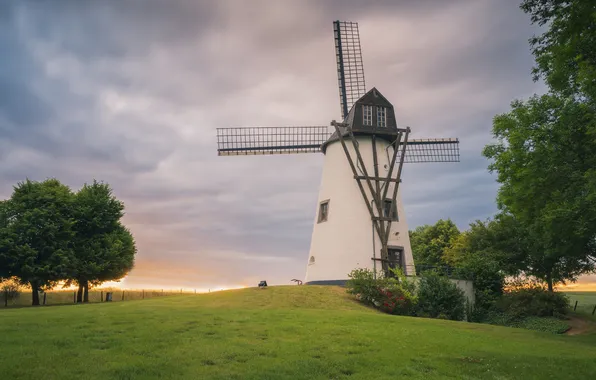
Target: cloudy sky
point(131, 92)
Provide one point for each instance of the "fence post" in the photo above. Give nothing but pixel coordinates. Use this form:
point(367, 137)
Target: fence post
point(122, 296)
point(6, 298)
point(575, 306)
point(143, 293)
point(74, 298)
point(101, 297)
point(44, 298)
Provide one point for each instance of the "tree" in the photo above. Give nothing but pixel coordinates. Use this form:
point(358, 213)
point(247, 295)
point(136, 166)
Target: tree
point(5, 242)
point(438, 297)
point(429, 243)
point(547, 169)
point(566, 52)
point(486, 253)
point(544, 154)
point(104, 249)
point(36, 233)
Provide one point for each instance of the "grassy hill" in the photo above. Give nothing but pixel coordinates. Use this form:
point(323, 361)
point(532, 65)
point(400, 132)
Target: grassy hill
point(293, 332)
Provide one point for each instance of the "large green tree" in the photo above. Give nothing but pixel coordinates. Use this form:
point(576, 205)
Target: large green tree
point(544, 157)
point(36, 233)
point(104, 249)
point(429, 243)
point(544, 154)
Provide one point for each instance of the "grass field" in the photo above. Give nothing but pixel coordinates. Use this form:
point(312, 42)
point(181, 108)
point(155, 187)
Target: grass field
point(585, 301)
point(286, 332)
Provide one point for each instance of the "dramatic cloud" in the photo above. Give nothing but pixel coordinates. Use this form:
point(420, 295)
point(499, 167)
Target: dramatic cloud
point(132, 93)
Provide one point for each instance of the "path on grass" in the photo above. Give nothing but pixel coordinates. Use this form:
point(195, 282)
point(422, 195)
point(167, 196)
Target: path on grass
point(580, 325)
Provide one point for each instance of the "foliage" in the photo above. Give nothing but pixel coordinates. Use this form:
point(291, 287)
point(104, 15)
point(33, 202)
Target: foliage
point(362, 284)
point(544, 324)
point(429, 243)
point(544, 153)
point(486, 253)
point(440, 298)
point(394, 295)
point(398, 294)
point(104, 248)
point(524, 298)
point(566, 52)
point(5, 240)
point(547, 170)
point(36, 233)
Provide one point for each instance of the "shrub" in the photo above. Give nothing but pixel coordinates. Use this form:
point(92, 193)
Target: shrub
point(532, 299)
point(440, 298)
point(398, 294)
point(394, 295)
point(362, 284)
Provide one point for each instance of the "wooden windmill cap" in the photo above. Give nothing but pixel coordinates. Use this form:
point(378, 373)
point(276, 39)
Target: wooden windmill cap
point(372, 125)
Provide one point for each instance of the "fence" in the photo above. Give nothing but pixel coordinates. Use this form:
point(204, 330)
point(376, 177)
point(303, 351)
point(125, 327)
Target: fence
point(583, 307)
point(583, 303)
point(65, 297)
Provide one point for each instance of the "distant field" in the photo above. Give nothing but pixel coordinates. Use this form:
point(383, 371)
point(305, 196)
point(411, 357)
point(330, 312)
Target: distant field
point(585, 302)
point(283, 332)
point(63, 297)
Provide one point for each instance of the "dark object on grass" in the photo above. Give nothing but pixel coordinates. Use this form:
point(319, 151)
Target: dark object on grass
point(108, 296)
point(299, 282)
point(263, 284)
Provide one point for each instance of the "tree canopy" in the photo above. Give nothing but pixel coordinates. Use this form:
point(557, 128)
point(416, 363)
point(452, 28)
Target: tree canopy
point(37, 233)
point(429, 243)
point(544, 150)
point(104, 248)
point(566, 52)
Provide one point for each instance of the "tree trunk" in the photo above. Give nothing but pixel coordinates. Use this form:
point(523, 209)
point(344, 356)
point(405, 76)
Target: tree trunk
point(549, 281)
point(86, 291)
point(80, 292)
point(35, 293)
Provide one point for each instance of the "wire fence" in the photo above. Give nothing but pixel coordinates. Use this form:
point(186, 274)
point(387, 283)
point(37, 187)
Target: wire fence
point(583, 303)
point(66, 297)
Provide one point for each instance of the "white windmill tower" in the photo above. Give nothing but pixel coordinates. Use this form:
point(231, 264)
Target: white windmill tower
point(360, 219)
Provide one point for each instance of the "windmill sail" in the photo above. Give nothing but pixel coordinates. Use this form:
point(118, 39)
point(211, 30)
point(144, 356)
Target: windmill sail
point(270, 140)
point(283, 140)
point(350, 70)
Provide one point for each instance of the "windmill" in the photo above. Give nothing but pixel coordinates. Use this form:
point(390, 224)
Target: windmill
point(360, 219)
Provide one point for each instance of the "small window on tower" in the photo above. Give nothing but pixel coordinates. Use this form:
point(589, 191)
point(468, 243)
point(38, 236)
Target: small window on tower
point(367, 115)
point(388, 211)
point(381, 117)
point(323, 211)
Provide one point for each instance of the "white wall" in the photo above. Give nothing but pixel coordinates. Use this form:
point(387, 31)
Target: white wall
point(345, 241)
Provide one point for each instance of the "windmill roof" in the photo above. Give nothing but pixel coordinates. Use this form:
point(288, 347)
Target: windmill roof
point(355, 121)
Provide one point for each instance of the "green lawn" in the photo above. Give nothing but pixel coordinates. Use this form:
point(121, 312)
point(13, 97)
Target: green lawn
point(585, 302)
point(287, 332)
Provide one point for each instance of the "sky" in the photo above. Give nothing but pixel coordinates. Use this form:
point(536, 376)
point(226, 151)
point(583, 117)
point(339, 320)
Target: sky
point(131, 93)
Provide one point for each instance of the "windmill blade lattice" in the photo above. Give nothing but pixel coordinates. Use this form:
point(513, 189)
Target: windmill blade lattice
point(350, 70)
point(308, 139)
point(270, 140)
